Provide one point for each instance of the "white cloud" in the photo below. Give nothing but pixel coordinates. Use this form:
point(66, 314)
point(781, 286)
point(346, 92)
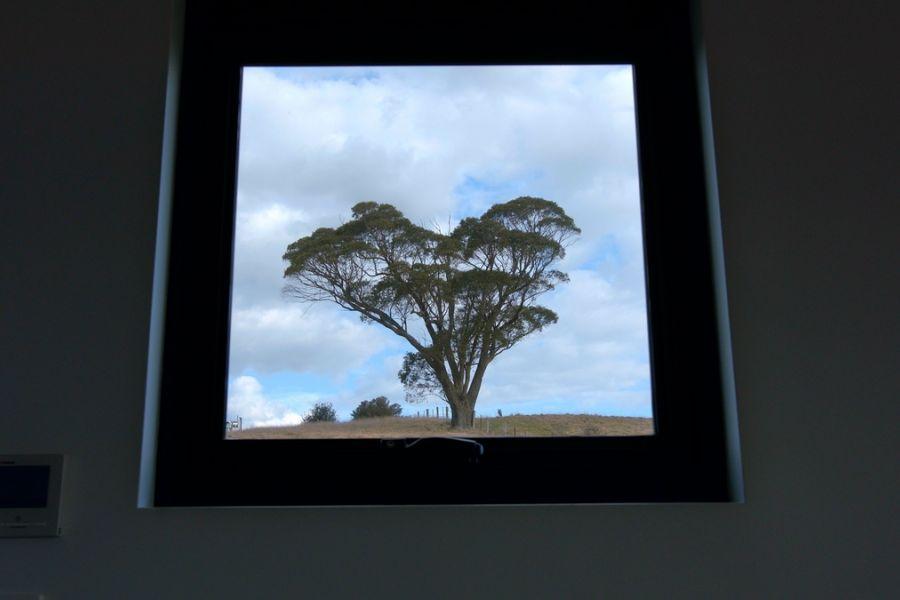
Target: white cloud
point(274, 220)
point(594, 359)
point(378, 379)
point(247, 400)
point(262, 236)
point(410, 135)
point(293, 337)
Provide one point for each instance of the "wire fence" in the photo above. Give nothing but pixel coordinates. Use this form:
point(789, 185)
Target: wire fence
point(483, 423)
point(435, 412)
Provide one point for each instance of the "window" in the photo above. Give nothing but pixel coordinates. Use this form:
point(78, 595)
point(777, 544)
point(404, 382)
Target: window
point(504, 216)
point(457, 149)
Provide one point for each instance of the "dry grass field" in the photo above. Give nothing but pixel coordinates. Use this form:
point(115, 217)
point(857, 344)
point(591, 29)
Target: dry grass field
point(414, 427)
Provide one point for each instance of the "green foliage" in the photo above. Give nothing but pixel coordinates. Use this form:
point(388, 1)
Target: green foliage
point(376, 407)
point(321, 412)
point(419, 379)
point(459, 298)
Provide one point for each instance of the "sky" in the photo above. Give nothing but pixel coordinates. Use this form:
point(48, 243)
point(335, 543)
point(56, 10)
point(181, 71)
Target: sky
point(440, 144)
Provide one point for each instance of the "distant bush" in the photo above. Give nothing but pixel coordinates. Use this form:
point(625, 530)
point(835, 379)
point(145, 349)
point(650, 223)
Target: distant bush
point(321, 412)
point(376, 407)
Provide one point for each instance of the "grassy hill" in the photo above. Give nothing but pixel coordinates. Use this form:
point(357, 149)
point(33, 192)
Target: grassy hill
point(513, 425)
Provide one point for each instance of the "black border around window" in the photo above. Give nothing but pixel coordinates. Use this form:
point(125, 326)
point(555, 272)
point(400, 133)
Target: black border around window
point(691, 457)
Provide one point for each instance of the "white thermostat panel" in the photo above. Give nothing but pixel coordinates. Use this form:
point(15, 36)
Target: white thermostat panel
point(30, 486)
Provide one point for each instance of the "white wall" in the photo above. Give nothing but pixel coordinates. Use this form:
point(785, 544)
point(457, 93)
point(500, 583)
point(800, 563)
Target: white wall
point(805, 114)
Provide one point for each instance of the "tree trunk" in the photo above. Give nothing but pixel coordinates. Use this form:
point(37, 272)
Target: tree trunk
point(462, 407)
point(462, 415)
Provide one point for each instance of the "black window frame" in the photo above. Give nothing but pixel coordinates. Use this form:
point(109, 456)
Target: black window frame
point(692, 457)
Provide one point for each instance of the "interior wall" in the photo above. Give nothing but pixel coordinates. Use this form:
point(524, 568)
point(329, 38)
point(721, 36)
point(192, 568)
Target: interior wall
point(804, 98)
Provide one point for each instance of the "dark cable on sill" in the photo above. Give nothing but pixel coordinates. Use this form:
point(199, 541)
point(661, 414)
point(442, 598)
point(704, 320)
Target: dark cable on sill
point(407, 443)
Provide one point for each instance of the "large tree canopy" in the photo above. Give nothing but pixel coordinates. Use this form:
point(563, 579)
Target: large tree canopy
point(460, 299)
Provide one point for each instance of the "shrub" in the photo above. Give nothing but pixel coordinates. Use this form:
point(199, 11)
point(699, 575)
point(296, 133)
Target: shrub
point(321, 412)
point(376, 407)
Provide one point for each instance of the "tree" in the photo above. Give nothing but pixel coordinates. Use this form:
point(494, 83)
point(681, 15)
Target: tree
point(460, 299)
point(376, 407)
point(321, 412)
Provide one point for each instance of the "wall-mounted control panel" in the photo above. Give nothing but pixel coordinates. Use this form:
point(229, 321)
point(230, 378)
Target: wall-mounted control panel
point(30, 487)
